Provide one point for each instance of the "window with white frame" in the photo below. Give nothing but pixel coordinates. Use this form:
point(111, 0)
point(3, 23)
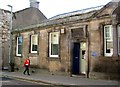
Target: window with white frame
point(108, 40)
point(34, 43)
point(19, 46)
point(54, 44)
point(118, 29)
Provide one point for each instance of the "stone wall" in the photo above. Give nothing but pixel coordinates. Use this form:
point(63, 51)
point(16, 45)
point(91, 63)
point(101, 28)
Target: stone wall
point(101, 66)
point(42, 59)
point(4, 38)
point(105, 68)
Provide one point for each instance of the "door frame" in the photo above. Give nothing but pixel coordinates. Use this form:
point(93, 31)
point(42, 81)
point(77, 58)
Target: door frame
point(86, 66)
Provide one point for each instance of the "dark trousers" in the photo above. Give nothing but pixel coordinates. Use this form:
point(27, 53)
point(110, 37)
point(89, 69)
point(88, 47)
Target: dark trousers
point(26, 69)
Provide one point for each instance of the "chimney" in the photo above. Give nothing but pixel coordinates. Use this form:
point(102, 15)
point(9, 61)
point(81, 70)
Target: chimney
point(34, 3)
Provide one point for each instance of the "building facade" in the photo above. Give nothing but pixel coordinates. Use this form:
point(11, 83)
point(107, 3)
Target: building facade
point(4, 38)
point(75, 43)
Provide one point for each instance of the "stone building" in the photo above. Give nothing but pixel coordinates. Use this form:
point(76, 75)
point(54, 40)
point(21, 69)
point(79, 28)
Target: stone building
point(85, 42)
point(4, 38)
point(26, 18)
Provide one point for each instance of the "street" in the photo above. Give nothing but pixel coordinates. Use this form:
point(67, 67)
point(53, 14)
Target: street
point(10, 82)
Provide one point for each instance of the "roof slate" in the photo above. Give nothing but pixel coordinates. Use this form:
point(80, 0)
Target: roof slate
point(87, 15)
point(27, 17)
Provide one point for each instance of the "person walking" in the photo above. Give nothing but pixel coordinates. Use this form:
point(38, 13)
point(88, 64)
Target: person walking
point(27, 65)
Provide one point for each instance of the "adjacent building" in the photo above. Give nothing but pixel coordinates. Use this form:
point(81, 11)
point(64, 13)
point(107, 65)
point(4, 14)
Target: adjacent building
point(4, 38)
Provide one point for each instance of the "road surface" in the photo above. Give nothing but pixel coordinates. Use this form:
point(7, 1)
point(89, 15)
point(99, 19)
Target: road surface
point(10, 82)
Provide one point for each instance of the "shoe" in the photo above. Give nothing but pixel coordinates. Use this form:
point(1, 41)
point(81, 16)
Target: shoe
point(24, 73)
point(29, 74)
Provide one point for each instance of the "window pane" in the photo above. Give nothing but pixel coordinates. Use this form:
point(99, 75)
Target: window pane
point(54, 38)
point(34, 43)
point(19, 46)
point(20, 40)
point(19, 49)
point(109, 46)
point(54, 44)
point(34, 39)
point(108, 40)
point(34, 47)
point(107, 35)
point(54, 49)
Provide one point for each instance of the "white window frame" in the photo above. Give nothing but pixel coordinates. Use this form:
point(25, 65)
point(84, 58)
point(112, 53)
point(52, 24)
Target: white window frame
point(32, 43)
point(110, 40)
point(17, 47)
point(118, 29)
point(50, 42)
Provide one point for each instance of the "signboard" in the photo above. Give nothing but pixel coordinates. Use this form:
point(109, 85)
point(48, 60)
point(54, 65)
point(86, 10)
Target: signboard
point(93, 54)
point(77, 33)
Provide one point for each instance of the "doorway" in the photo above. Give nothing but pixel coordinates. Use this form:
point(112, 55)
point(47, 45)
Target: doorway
point(78, 58)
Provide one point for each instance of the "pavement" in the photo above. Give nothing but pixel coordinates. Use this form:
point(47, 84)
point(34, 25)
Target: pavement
point(59, 79)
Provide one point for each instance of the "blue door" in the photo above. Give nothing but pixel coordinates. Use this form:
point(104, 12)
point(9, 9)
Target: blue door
point(76, 57)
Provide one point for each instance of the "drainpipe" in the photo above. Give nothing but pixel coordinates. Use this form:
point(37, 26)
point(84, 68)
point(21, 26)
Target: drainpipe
point(70, 52)
point(10, 43)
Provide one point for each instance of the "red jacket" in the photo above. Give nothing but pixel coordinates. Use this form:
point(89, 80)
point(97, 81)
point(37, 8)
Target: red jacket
point(27, 62)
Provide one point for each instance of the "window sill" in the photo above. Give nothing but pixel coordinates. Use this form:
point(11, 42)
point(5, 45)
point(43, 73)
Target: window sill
point(18, 56)
point(53, 58)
